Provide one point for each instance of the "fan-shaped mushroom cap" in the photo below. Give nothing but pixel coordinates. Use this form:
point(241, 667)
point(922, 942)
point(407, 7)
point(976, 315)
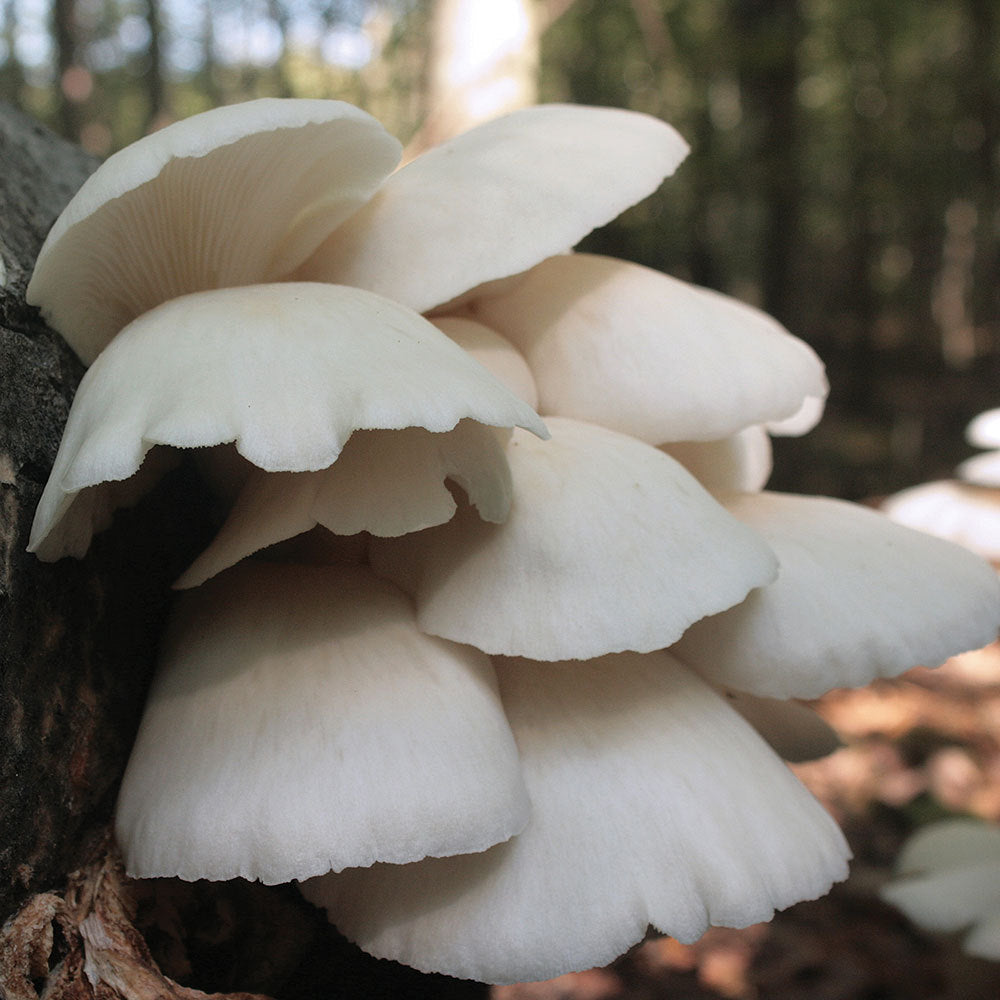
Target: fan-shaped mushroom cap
point(387, 483)
point(609, 545)
point(653, 802)
point(496, 200)
point(300, 723)
point(857, 597)
point(235, 196)
point(640, 352)
point(287, 371)
point(948, 878)
point(740, 463)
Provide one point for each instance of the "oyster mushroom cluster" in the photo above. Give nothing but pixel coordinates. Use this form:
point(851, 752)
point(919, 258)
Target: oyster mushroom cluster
point(496, 646)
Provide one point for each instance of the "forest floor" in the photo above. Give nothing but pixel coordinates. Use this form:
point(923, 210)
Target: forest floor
point(921, 747)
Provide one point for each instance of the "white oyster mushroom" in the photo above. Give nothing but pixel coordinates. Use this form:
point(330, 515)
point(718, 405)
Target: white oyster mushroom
point(857, 597)
point(300, 723)
point(288, 372)
point(640, 352)
point(496, 200)
point(653, 802)
point(947, 879)
point(387, 483)
point(235, 196)
point(982, 470)
point(289, 189)
point(610, 545)
point(984, 430)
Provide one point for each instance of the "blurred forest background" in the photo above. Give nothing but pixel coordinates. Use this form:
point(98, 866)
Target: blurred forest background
point(843, 174)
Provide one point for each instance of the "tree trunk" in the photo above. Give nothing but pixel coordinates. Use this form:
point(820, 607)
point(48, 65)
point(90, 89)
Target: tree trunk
point(77, 645)
point(483, 63)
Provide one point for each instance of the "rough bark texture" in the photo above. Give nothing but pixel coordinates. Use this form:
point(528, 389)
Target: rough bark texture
point(77, 645)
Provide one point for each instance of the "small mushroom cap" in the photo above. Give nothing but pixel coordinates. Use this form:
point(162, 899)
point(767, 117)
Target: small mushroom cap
point(984, 430)
point(387, 483)
point(857, 597)
point(740, 463)
point(948, 878)
point(496, 200)
point(609, 545)
point(287, 371)
point(982, 470)
point(300, 723)
point(959, 512)
point(640, 352)
point(653, 802)
point(235, 196)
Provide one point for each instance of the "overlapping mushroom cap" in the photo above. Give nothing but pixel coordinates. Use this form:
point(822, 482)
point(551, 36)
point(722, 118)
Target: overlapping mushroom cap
point(462, 724)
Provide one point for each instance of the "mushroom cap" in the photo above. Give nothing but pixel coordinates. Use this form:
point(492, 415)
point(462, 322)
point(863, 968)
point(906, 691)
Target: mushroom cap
point(653, 802)
point(857, 597)
point(740, 463)
point(496, 200)
point(984, 430)
point(959, 512)
point(610, 545)
point(640, 352)
point(288, 372)
point(387, 483)
point(234, 196)
point(300, 723)
point(981, 470)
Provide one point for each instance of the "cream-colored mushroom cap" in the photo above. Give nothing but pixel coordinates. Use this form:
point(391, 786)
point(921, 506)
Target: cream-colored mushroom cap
point(496, 200)
point(640, 352)
point(233, 196)
point(857, 597)
point(288, 372)
point(610, 545)
point(652, 801)
point(300, 723)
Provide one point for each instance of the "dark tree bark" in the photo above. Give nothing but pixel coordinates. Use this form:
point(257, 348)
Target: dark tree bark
point(77, 647)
